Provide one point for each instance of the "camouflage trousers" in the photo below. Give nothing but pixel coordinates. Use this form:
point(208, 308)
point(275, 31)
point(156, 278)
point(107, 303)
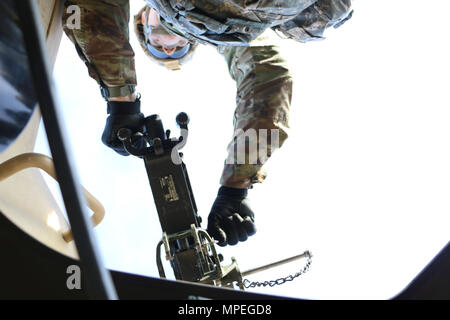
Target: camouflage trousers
point(263, 82)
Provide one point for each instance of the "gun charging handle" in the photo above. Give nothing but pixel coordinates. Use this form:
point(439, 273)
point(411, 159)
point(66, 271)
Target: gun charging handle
point(126, 136)
point(182, 120)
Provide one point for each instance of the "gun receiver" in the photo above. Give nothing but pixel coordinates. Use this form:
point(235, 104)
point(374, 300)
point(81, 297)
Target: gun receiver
point(190, 250)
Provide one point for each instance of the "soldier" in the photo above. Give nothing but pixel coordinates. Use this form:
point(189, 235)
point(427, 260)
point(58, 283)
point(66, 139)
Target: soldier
point(169, 32)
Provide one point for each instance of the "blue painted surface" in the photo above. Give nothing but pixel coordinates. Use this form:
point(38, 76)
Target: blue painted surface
point(17, 99)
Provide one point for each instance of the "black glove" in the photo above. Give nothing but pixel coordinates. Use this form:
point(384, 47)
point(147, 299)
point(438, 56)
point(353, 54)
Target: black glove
point(123, 115)
point(231, 220)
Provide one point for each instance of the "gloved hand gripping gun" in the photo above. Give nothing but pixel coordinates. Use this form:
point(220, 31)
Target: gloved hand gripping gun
point(190, 250)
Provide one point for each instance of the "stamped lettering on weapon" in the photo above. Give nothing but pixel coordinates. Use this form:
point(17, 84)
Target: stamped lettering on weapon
point(168, 187)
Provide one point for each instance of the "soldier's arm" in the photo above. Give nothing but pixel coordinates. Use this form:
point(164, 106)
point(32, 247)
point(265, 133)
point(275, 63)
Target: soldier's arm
point(264, 91)
point(102, 42)
point(312, 22)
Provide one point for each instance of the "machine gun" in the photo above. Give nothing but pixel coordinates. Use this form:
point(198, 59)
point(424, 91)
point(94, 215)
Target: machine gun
point(191, 251)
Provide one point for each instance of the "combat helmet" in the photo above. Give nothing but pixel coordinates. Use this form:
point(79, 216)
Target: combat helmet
point(173, 62)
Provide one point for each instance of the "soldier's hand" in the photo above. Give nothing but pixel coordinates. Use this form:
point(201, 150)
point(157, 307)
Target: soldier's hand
point(231, 219)
point(122, 115)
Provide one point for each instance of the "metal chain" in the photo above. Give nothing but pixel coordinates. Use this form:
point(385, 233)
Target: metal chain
point(249, 284)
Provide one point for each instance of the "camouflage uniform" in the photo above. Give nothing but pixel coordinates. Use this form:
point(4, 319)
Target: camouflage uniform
point(263, 98)
point(237, 22)
point(263, 81)
point(102, 42)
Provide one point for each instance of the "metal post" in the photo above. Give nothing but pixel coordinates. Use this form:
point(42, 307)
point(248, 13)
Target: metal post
point(276, 264)
point(98, 280)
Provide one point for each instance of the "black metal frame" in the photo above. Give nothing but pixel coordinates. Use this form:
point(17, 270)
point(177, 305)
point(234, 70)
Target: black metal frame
point(98, 279)
point(433, 282)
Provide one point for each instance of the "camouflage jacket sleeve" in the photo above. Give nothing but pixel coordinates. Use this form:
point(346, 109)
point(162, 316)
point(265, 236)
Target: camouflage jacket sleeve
point(312, 22)
point(264, 91)
point(102, 40)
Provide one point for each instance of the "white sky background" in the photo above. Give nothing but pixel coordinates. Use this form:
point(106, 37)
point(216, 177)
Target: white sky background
point(363, 181)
